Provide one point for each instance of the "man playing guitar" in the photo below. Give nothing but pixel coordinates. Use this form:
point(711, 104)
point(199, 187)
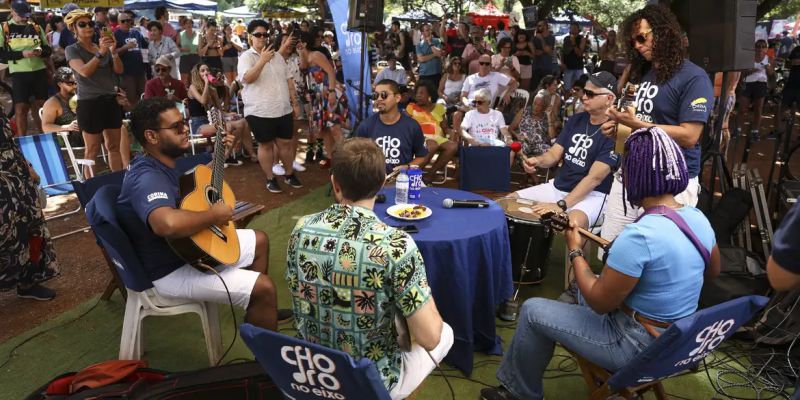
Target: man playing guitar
point(149, 214)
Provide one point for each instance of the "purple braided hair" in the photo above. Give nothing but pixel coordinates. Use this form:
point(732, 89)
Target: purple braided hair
point(653, 165)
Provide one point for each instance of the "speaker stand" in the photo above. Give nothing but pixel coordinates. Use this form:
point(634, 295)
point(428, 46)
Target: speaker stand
point(719, 167)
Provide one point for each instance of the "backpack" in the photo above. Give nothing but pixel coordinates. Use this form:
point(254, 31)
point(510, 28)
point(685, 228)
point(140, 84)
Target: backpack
point(7, 32)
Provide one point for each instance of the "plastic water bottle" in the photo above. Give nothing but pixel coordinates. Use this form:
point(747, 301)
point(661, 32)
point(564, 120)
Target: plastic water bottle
point(401, 188)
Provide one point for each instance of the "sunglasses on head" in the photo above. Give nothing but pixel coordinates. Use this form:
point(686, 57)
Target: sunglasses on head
point(485, 63)
point(382, 95)
point(260, 35)
point(590, 94)
point(84, 24)
point(642, 37)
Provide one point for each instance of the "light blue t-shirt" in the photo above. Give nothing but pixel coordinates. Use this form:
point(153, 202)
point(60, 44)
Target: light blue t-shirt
point(669, 267)
point(432, 66)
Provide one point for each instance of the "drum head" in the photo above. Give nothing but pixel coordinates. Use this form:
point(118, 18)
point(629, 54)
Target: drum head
point(519, 209)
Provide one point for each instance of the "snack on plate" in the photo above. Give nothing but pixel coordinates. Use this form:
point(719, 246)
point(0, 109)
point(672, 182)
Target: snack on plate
point(412, 212)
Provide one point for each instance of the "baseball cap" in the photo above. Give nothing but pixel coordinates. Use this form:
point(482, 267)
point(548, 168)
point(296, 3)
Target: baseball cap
point(605, 80)
point(69, 7)
point(22, 8)
point(164, 61)
point(100, 9)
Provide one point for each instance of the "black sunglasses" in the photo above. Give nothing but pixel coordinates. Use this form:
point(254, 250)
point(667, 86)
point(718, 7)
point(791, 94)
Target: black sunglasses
point(382, 95)
point(484, 63)
point(71, 83)
point(161, 68)
point(478, 102)
point(642, 37)
point(125, 21)
point(179, 126)
point(260, 35)
point(82, 24)
point(591, 94)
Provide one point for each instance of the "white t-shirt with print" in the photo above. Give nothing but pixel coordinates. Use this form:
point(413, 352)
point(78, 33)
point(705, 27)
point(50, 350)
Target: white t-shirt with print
point(484, 128)
point(491, 81)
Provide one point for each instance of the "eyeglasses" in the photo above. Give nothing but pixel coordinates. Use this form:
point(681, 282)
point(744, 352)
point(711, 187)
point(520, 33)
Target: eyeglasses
point(83, 24)
point(260, 35)
point(642, 37)
point(161, 68)
point(125, 21)
point(484, 63)
point(478, 102)
point(382, 95)
point(591, 94)
point(178, 126)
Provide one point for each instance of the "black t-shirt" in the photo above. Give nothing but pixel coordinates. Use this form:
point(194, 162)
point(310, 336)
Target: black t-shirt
point(794, 73)
point(571, 59)
point(457, 45)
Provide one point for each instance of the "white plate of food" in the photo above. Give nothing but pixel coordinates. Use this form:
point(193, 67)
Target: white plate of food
point(409, 212)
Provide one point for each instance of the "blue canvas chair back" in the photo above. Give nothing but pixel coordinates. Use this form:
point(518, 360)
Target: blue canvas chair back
point(102, 215)
point(684, 344)
point(85, 190)
point(44, 153)
point(485, 168)
point(308, 371)
point(186, 163)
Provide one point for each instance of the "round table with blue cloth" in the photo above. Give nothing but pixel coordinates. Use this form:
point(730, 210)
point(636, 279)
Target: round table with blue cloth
point(468, 264)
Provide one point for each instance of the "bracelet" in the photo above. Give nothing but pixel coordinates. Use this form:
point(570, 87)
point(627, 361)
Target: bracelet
point(573, 254)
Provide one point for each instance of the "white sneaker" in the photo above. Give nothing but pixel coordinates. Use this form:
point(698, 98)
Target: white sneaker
point(298, 167)
point(277, 169)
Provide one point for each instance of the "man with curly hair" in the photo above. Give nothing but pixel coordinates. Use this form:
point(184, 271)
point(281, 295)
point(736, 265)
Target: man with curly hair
point(352, 278)
point(673, 94)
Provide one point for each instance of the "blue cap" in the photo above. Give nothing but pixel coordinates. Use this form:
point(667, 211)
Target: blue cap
point(22, 8)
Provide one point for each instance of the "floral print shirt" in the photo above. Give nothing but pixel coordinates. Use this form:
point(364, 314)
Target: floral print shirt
point(349, 274)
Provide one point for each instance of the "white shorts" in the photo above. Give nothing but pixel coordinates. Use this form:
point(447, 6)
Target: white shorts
point(592, 205)
point(417, 365)
point(188, 282)
point(617, 217)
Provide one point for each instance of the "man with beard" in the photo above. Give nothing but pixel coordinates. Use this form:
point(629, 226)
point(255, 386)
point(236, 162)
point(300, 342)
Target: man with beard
point(164, 85)
point(398, 135)
point(148, 214)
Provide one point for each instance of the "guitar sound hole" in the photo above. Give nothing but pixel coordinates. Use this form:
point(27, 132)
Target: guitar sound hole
point(211, 195)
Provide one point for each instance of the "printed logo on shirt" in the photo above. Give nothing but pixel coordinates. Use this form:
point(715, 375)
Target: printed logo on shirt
point(391, 149)
point(644, 101)
point(577, 153)
point(156, 196)
point(699, 104)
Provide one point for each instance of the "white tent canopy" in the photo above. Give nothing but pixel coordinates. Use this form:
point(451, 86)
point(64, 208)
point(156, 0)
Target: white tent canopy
point(240, 12)
point(204, 5)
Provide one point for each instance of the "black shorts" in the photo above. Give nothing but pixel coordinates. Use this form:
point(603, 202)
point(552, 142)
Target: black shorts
point(754, 90)
point(98, 114)
point(187, 62)
point(25, 85)
point(266, 130)
point(791, 96)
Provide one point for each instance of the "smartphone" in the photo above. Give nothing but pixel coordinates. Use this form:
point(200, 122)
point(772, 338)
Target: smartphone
point(409, 228)
point(107, 32)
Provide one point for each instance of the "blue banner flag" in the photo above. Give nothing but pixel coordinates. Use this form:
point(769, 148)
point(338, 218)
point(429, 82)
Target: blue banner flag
point(350, 51)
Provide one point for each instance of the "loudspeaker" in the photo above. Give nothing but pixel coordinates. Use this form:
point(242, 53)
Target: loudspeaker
point(365, 15)
point(721, 32)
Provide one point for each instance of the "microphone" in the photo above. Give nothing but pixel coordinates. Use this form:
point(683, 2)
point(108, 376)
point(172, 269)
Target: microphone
point(450, 203)
point(516, 147)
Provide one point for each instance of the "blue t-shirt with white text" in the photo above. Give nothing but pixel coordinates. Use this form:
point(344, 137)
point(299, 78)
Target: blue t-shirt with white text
point(583, 144)
point(669, 268)
point(148, 185)
point(688, 96)
point(132, 61)
point(401, 142)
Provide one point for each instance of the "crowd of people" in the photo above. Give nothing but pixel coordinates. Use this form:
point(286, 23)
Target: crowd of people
point(438, 87)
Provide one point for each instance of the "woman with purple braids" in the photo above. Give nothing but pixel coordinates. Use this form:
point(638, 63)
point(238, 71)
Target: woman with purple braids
point(653, 276)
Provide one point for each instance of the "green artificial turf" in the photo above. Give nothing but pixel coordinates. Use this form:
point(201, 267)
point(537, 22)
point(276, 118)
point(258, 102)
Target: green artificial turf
point(90, 333)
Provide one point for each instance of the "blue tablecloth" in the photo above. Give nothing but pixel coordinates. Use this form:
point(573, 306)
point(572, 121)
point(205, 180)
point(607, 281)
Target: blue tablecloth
point(468, 263)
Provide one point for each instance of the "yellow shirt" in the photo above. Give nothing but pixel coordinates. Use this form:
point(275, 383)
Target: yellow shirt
point(430, 121)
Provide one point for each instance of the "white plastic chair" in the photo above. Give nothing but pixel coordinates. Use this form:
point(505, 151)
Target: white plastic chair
point(522, 93)
point(144, 304)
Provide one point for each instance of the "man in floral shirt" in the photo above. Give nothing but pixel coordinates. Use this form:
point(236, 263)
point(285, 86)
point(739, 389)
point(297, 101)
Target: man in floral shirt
point(351, 276)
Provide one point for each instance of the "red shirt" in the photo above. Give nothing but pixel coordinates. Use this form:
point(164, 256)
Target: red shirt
point(155, 88)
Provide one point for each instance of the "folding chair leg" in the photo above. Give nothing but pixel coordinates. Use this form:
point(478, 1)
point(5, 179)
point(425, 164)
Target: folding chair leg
point(600, 393)
point(659, 391)
point(130, 328)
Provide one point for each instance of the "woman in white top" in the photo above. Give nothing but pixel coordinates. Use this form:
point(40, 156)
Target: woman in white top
point(754, 89)
point(161, 45)
point(452, 82)
point(504, 61)
point(484, 126)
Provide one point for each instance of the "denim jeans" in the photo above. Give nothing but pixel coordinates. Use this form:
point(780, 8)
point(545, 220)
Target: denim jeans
point(570, 77)
point(609, 340)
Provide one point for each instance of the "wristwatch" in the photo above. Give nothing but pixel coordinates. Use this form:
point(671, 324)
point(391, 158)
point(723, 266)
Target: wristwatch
point(573, 254)
point(562, 205)
point(98, 55)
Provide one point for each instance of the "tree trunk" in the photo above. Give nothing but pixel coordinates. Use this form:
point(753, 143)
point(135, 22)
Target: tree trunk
point(765, 6)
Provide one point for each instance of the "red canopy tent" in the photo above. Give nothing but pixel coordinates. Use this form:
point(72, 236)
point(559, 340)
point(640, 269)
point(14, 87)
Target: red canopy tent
point(488, 15)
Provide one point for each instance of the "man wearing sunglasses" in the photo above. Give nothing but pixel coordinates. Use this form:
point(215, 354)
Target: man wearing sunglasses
point(397, 134)
point(584, 180)
point(486, 78)
point(129, 45)
point(673, 94)
point(164, 85)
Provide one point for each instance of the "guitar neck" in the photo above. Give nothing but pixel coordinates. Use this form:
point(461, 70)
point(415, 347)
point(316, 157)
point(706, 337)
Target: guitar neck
point(597, 239)
point(218, 166)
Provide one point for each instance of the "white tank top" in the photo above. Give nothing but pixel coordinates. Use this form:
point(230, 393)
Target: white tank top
point(453, 87)
point(760, 75)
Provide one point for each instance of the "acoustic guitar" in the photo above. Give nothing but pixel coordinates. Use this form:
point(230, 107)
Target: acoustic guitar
point(626, 103)
point(559, 221)
point(200, 188)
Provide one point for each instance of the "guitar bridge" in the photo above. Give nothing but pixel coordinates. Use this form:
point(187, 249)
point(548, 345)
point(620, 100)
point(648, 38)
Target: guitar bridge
point(215, 229)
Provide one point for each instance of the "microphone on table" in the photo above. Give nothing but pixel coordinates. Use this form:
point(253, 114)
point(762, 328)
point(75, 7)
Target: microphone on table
point(450, 203)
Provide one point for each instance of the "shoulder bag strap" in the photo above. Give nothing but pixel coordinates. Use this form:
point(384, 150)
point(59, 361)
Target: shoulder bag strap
point(674, 217)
